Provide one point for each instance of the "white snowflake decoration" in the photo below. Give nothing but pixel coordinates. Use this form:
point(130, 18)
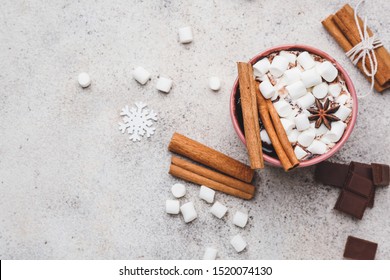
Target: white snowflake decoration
point(138, 121)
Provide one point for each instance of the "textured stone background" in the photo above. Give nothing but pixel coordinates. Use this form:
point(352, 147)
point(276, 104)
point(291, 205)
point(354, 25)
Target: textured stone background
point(73, 187)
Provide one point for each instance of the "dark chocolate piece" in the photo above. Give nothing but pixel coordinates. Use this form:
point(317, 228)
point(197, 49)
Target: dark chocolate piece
point(351, 203)
point(360, 249)
point(380, 174)
point(359, 185)
point(364, 170)
point(371, 199)
point(333, 174)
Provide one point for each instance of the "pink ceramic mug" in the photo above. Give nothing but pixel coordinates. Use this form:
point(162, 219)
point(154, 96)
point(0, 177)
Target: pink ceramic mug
point(349, 84)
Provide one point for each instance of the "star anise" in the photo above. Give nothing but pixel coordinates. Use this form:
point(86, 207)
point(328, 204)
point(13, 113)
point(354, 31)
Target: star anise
point(323, 113)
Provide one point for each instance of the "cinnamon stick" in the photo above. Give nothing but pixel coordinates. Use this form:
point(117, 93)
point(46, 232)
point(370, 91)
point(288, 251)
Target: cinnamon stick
point(200, 153)
point(212, 175)
point(184, 174)
point(250, 115)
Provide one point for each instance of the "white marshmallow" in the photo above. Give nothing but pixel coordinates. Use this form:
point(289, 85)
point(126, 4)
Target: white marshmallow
point(275, 96)
point(317, 147)
point(185, 35)
point(302, 122)
point(141, 75)
point(292, 75)
point(240, 219)
point(188, 212)
point(172, 206)
point(306, 101)
point(306, 60)
point(342, 99)
point(343, 112)
point(207, 194)
point(336, 132)
point(262, 78)
point(306, 138)
point(278, 66)
point(311, 78)
point(293, 136)
point(299, 152)
point(178, 190)
point(296, 90)
point(218, 210)
point(325, 139)
point(288, 125)
point(267, 89)
point(290, 56)
point(261, 67)
point(238, 243)
point(334, 89)
point(164, 84)
point(283, 108)
point(210, 254)
point(214, 83)
point(321, 130)
point(265, 137)
point(327, 71)
point(84, 80)
point(320, 90)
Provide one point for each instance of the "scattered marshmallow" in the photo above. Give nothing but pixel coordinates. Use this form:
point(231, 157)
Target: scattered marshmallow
point(278, 66)
point(210, 254)
point(300, 153)
point(288, 124)
point(188, 211)
point(290, 56)
point(261, 67)
point(292, 75)
point(306, 60)
point(265, 137)
point(302, 122)
point(321, 130)
point(320, 90)
point(172, 206)
point(178, 190)
point(327, 71)
point(296, 90)
point(343, 112)
point(306, 101)
point(141, 75)
point(207, 194)
point(267, 89)
point(306, 138)
point(240, 219)
point(185, 35)
point(218, 210)
point(317, 147)
point(336, 132)
point(311, 78)
point(293, 136)
point(342, 99)
point(164, 84)
point(238, 243)
point(84, 80)
point(283, 108)
point(214, 83)
point(334, 89)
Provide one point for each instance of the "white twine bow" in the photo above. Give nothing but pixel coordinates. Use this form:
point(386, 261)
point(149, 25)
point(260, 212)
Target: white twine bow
point(365, 50)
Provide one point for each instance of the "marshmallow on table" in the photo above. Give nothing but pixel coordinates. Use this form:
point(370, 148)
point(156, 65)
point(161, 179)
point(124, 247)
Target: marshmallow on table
point(267, 89)
point(317, 147)
point(290, 56)
point(321, 130)
point(238, 243)
point(218, 210)
point(306, 60)
point(302, 122)
point(283, 108)
point(320, 90)
point(306, 101)
point(327, 71)
point(307, 137)
point(278, 66)
point(210, 254)
point(207, 194)
point(240, 219)
point(164, 84)
point(299, 152)
point(334, 89)
point(214, 83)
point(293, 136)
point(343, 112)
point(265, 137)
point(336, 132)
point(311, 78)
point(296, 90)
point(288, 125)
point(342, 99)
point(292, 75)
point(188, 212)
point(141, 75)
point(178, 190)
point(261, 67)
point(172, 206)
point(84, 80)
point(185, 35)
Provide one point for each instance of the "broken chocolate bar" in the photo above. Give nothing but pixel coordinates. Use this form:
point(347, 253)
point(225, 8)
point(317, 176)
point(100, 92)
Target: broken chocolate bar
point(333, 174)
point(351, 203)
point(380, 174)
point(360, 249)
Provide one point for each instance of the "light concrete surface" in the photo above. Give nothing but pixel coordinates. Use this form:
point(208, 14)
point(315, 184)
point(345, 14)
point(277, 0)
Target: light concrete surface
point(73, 187)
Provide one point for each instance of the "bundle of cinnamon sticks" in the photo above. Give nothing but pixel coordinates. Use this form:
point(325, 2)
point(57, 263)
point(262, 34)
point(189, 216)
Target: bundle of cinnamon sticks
point(342, 27)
